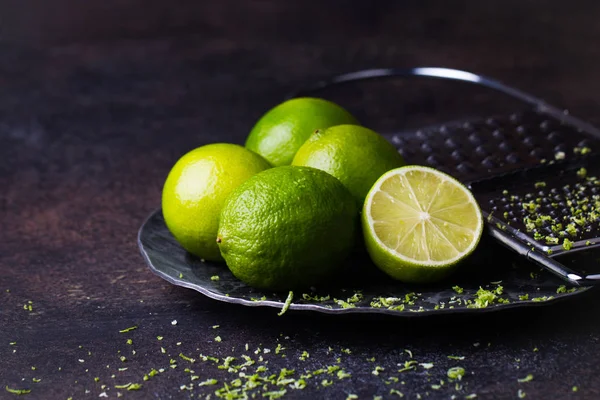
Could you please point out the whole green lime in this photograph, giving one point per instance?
(196, 189)
(279, 133)
(357, 156)
(287, 227)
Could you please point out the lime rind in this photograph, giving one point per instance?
(432, 224)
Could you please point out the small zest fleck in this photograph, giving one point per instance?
(528, 378)
(521, 394)
(131, 328)
(456, 373)
(377, 370)
(129, 386)
(408, 365)
(542, 298)
(186, 358)
(341, 374)
(304, 355)
(214, 278)
(458, 289)
(18, 391)
(287, 303)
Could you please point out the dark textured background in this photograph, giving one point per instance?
(96, 104)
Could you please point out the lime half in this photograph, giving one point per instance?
(419, 223)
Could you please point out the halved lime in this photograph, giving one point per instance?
(419, 223)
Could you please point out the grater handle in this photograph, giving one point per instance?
(550, 264)
(455, 75)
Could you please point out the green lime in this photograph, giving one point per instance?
(419, 223)
(287, 227)
(279, 133)
(196, 189)
(355, 155)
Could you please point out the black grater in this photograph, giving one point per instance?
(533, 172)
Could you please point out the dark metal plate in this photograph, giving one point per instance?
(364, 289)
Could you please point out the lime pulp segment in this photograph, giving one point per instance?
(423, 216)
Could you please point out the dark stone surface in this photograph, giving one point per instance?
(89, 131)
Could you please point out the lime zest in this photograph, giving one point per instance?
(208, 382)
(341, 374)
(131, 328)
(276, 394)
(17, 391)
(458, 289)
(186, 358)
(377, 370)
(528, 378)
(542, 298)
(286, 305)
(456, 373)
(129, 386)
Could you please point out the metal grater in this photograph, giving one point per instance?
(532, 172)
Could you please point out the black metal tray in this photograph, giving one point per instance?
(502, 158)
(365, 289)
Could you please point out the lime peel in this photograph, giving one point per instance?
(286, 305)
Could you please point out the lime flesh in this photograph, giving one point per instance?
(419, 223)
